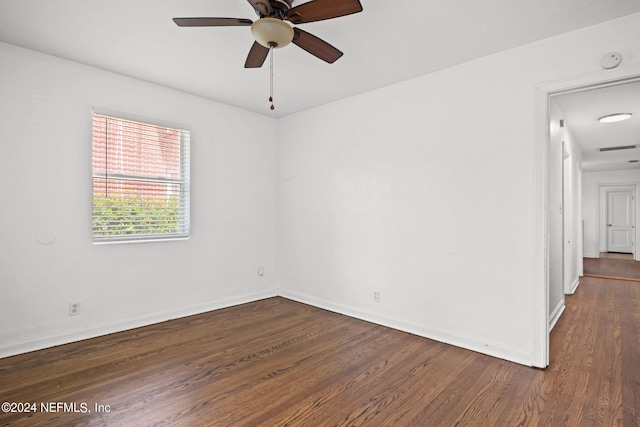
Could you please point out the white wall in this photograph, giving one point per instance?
(426, 191)
(594, 237)
(572, 212)
(564, 212)
(556, 153)
(565, 189)
(45, 169)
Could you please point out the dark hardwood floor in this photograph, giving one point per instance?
(276, 362)
(613, 266)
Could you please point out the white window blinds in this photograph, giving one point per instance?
(140, 181)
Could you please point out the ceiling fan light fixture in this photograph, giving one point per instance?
(272, 32)
(617, 117)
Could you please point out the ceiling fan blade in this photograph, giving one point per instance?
(315, 46)
(319, 10)
(212, 22)
(257, 55)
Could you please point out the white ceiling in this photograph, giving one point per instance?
(389, 41)
(581, 111)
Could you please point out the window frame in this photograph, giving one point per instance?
(184, 183)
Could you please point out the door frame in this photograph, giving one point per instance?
(543, 92)
(601, 235)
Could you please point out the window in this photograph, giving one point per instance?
(140, 181)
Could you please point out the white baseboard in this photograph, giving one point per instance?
(574, 286)
(40, 343)
(557, 312)
(494, 349)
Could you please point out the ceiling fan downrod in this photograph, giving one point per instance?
(271, 77)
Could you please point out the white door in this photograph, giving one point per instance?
(620, 221)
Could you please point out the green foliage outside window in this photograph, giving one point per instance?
(118, 216)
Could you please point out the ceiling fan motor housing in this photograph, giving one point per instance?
(272, 8)
(272, 32)
(282, 4)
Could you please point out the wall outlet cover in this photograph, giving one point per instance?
(74, 308)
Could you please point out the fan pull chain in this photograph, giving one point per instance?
(271, 78)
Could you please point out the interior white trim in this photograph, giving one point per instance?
(541, 133)
(540, 296)
(574, 285)
(557, 312)
(39, 343)
(494, 349)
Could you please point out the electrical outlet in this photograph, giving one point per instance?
(74, 308)
(376, 296)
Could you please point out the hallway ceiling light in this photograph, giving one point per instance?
(617, 117)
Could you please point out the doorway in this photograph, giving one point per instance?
(544, 93)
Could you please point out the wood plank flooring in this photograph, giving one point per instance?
(613, 266)
(616, 255)
(276, 362)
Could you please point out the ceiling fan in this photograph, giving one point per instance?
(270, 31)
